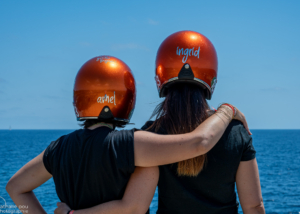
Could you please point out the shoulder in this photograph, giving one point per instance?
(147, 125)
(50, 152)
(122, 132)
(120, 144)
(75, 133)
(56, 143)
(235, 126)
(237, 131)
(120, 135)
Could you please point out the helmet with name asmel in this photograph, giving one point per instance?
(189, 57)
(104, 89)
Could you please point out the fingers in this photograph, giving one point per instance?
(240, 116)
(58, 204)
(246, 125)
(61, 208)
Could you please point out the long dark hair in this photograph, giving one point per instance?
(183, 109)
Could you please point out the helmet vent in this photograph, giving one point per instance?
(186, 73)
(106, 114)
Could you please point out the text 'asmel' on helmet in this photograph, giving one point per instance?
(104, 89)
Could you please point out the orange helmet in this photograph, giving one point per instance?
(104, 89)
(186, 56)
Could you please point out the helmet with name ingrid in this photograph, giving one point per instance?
(186, 56)
(104, 89)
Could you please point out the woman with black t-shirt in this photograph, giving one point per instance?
(93, 165)
(204, 184)
(186, 72)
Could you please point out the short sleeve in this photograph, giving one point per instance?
(122, 146)
(49, 153)
(248, 150)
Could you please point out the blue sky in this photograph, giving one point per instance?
(43, 44)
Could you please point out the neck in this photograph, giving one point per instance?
(109, 125)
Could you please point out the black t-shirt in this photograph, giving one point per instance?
(212, 191)
(90, 167)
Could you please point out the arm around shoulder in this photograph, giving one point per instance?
(140, 189)
(137, 197)
(154, 150)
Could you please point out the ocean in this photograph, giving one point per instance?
(278, 157)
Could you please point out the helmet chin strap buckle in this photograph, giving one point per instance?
(186, 72)
(106, 114)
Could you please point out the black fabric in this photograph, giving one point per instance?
(213, 190)
(90, 167)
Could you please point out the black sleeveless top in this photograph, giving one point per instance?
(213, 190)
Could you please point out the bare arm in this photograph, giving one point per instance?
(136, 200)
(29, 177)
(154, 150)
(248, 187)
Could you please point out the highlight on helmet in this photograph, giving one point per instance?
(104, 89)
(186, 56)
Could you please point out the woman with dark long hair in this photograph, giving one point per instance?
(185, 105)
(204, 184)
(186, 75)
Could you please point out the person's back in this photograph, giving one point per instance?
(186, 75)
(213, 189)
(91, 166)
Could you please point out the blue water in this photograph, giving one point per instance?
(278, 156)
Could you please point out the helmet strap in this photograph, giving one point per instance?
(186, 72)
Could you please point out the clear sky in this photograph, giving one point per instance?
(44, 43)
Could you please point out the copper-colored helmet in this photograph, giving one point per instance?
(104, 89)
(186, 56)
